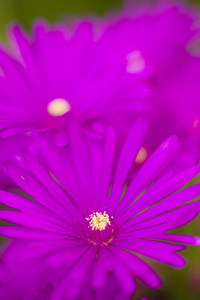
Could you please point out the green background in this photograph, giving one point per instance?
(26, 11)
(177, 284)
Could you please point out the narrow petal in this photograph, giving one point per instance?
(169, 203)
(151, 168)
(162, 252)
(32, 222)
(132, 145)
(108, 158)
(139, 268)
(32, 187)
(26, 233)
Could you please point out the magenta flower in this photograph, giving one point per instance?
(88, 226)
(54, 76)
(155, 42)
(23, 279)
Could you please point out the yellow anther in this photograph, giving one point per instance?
(58, 107)
(142, 155)
(99, 221)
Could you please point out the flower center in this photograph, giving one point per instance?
(99, 221)
(101, 230)
(58, 107)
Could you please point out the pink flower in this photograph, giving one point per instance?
(88, 227)
(53, 77)
(155, 42)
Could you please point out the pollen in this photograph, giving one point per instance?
(58, 107)
(99, 221)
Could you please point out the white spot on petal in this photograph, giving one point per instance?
(135, 62)
(196, 123)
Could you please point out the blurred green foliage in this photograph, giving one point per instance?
(177, 284)
(26, 11)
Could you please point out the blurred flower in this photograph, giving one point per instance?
(55, 75)
(155, 41)
(194, 277)
(90, 227)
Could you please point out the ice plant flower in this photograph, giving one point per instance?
(22, 279)
(53, 76)
(154, 40)
(91, 227)
(56, 75)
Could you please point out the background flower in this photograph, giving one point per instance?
(155, 42)
(59, 75)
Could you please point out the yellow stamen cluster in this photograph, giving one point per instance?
(98, 221)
